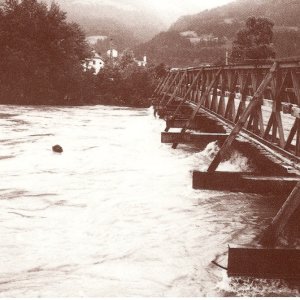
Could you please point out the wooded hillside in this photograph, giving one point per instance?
(204, 37)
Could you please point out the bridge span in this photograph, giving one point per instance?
(254, 108)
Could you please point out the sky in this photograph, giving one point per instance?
(186, 6)
(169, 9)
(176, 8)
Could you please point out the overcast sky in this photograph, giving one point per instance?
(170, 10)
(186, 6)
(176, 8)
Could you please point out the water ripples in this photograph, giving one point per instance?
(115, 214)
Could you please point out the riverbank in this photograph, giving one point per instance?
(117, 101)
(99, 100)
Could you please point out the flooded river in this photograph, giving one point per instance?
(115, 214)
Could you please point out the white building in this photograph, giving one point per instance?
(142, 63)
(95, 63)
(112, 53)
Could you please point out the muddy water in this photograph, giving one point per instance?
(115, 214)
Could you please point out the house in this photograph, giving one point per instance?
(189, 34)
(196, 39)
(141, 63)
(95, 63)
(112, 53)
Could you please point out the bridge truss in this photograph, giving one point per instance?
(259, 102)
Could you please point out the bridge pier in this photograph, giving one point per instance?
(200, 123)
(200, 139)
(244, 182)
(283, 217)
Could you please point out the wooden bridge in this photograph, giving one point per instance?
(253, 108)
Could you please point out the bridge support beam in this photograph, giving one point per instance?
(169, 110)
(201, 139)
(200, 123)
(244, 182)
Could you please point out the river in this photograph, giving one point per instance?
(115, 214)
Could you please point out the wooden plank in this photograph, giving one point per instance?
(230, 109)
(283, 216)
(244, 182)
(221, 107)
(264, 263)
(207, 101)
(214, 101)
(251, 107)
(242, 106)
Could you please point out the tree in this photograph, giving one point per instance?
(160, 70)
(41, 55)
(126, 58)
(123, 82)
(254, 41)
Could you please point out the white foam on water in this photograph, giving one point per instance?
(254, 287)
(236, 163)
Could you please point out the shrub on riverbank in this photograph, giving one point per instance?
(123, 82)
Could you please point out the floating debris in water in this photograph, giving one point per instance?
(57, 149)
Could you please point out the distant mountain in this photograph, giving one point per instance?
(127, 22)
(205, 37)
(222, 20)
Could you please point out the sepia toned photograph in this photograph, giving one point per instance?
(149, 148)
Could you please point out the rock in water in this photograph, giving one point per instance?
(57, 149)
